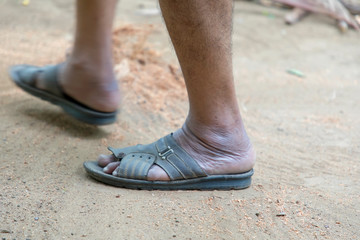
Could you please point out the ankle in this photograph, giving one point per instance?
(92, 66)
(219, 135)
(222, 125)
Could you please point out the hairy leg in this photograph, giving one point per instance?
(213, 134)
(88, 75)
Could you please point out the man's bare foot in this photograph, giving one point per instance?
(217, 151)
(93, 85)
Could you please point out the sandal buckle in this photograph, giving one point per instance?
(164, 154)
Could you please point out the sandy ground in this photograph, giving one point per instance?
(306, 132)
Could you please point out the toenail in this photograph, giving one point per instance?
(106, 169)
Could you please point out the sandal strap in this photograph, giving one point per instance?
(165, 153)
(135, 166)
(51, 80)
(177, 163)
(28, 75)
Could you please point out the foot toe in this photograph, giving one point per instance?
(110, 168)
(103, 160)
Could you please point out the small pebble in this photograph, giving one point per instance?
(281, 214)
(36, 218)
(296, 72)
(257, 214)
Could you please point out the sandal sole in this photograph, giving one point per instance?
(213, 182)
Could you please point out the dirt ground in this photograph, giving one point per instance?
(305, 130)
